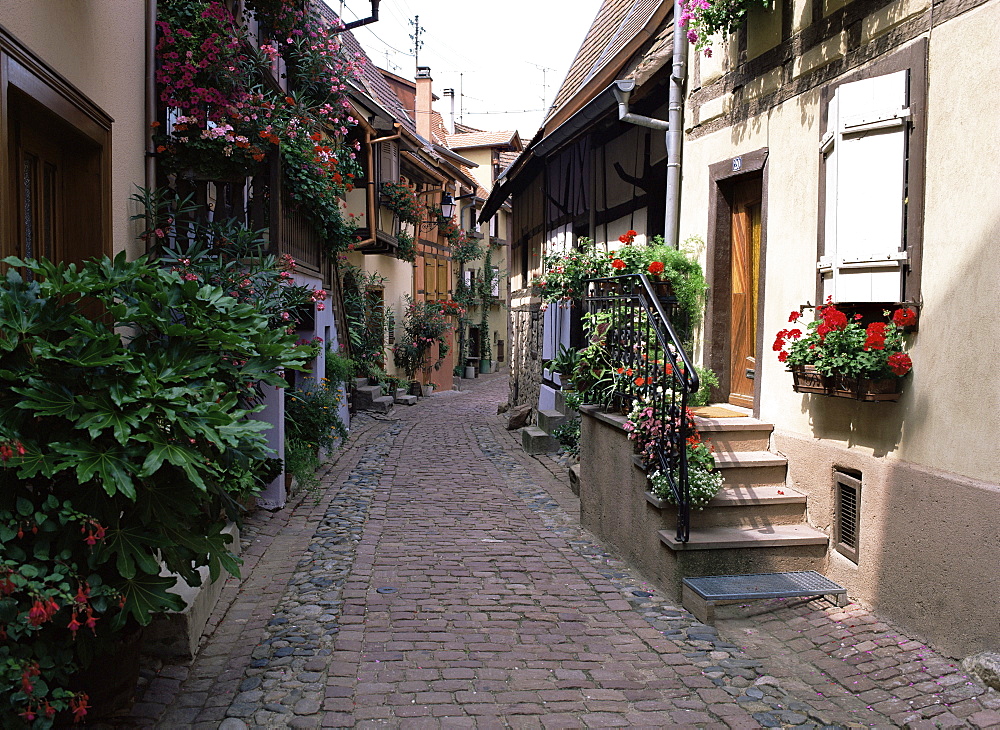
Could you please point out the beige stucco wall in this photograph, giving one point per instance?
(99, 47)
(949, 400)
(931, 473)
(929, 542)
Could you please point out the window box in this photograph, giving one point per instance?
(805, 379)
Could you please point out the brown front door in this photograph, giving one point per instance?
(745, 290)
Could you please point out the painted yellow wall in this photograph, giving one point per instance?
(99, 47)
(950, 401)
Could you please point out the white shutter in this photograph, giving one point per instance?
(388, 161)
(495, 283)
(866, 174)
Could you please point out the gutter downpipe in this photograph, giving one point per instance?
(673, 126)
(150, 166)
(675, 135)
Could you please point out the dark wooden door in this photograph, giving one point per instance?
(746, 229)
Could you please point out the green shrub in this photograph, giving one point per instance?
(568, 436)
(312, 415)
(127, 394)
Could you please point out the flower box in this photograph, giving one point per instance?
(805, 379)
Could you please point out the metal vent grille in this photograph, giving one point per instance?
(848, 514)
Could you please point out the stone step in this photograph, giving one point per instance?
(366, 395)
(406, 400)
(745, 507)
(549, 421)
(361, 382)
(721, 538)
(535, 441)
(401, 392)
(749, 469)
(730, 435)
(574, 479)
(382, 404)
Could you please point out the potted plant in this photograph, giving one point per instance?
(425, 325)
(838, 356)
(402, 201)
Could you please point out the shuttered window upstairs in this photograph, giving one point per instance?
(388, 161)
(865, 149)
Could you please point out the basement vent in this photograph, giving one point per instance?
(848, 486)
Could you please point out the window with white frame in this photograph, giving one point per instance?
(864, 253)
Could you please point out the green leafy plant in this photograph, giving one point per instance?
(401, 200)
(312, 415)
(646, 429)
(568, 436)
(367, 319)
(406, 249)
(339, 367)
(128, 393)
(425, 326)
(565, 362)
(837, 345)
(707, 379)
(706, 18)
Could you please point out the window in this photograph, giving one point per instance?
(56, 187)
(495, 282)
(388, 161)
(871, 198)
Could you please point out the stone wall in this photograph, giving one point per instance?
(525, 353)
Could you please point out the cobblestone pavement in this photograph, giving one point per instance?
(440, 578)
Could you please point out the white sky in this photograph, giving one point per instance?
(492, 53)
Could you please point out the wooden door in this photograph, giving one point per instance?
(746, 223)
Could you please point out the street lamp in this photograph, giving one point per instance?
(447, 205)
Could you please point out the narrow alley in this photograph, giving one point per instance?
(439, 578)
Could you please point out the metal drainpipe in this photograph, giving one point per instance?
(673, 126)
(675, 134)
(150, 176)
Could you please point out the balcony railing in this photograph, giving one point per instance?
(651, 368)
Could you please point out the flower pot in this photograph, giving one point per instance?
(485, 367)
(427, 390)
(805, 379)
(470, 372)
(415, 387)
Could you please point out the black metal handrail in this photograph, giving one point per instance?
(633, 318)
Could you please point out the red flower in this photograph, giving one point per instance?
(876, 336)
(904, 317)
(900, 363)
(794, 316)
(782, 356)
(618, 264)
(640, 381)
(656, 268)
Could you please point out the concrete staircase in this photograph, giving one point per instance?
(369, 397)
(756, 524)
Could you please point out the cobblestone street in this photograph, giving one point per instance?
(439, 578)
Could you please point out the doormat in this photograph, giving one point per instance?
(716, 412)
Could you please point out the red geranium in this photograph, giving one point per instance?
(875, 336)
(904, 317)
(656, 268)
(900, 363)
(618, 264)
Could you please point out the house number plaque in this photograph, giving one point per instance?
(737, 164)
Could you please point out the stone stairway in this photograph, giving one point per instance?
(756, 524)
(368, 397)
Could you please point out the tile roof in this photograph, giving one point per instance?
(484, 139)
(616, 23)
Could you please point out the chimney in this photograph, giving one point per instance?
(425, 97)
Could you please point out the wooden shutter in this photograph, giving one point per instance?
(866, 154)
(388, 157)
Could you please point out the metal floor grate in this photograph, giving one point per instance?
(764, 585)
